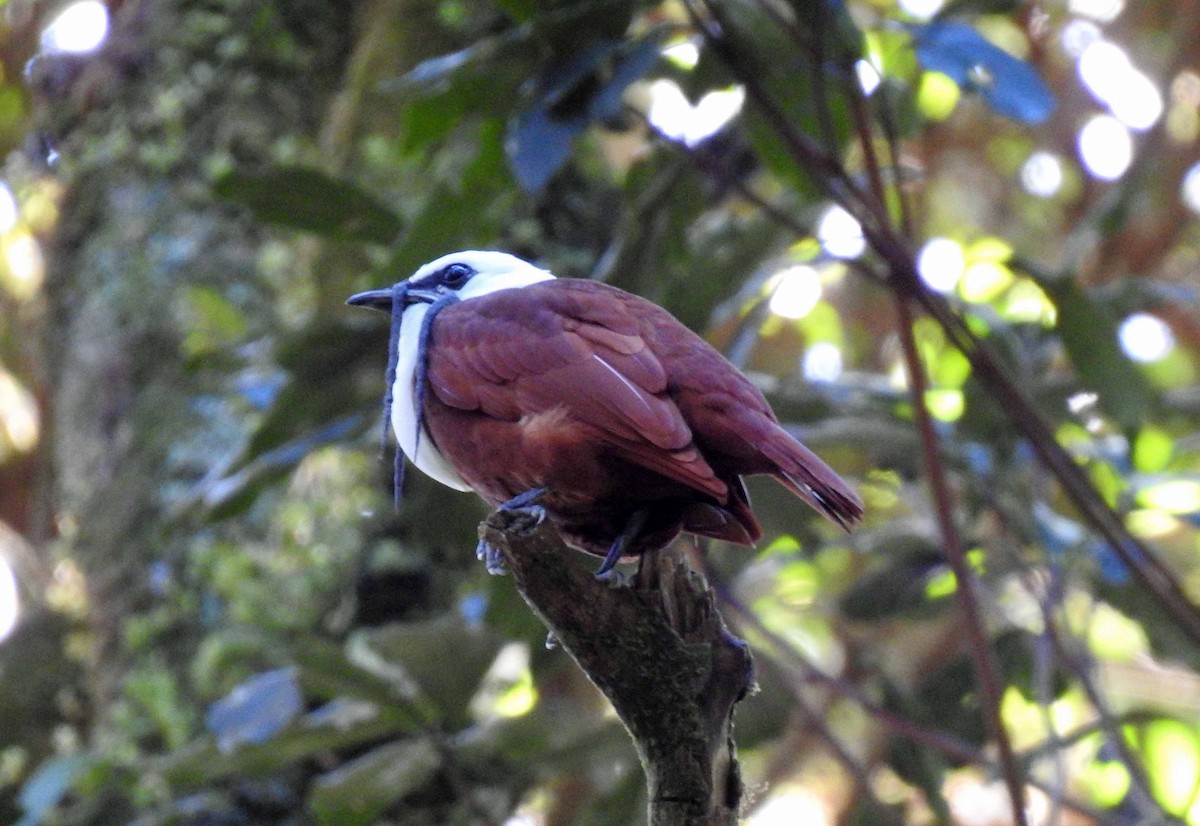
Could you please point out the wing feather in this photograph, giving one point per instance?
(574, 346)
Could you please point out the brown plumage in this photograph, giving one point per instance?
(614, 407)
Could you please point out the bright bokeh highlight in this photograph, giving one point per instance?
(822, 362)
(840, 234)
(1176, 496)
(941, 263)
(1042, 175)
(937, 95)
(685, 54)
(1145, 337)
(1103, 10)
(1111, 77)
(1189, 190)
(945, 405)
(922, 9)
(19, 424)
(10, 602)
(984, 281)
(25, 264)
(672, 114)
(797, 291)
(1105, 147)
(789, 808)
(868, 76)
(8, 208)
(80, 27)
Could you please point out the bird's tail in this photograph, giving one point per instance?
(803, 473)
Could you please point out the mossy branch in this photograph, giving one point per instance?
(658, 649)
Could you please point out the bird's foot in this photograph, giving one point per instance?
(520, 515)
(524, 519)
(523, 500)
(491, 557)
(617, 549)
(612, 578)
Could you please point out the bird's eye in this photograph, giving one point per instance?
(455, 275)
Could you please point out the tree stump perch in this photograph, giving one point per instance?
(658, 649)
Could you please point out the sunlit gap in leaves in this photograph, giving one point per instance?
(507, 689)
(822, 362)
(1113, 80)
(868, 76)
(1189, 190)
(80, 27)
(684, 54)
(1042, 174)
(941, 263)
(19, 423)
(840, 234)
(796, 291)
(982, 801)
(23, 267)
(922, 9)
(1146, 338)
(790, 807)
(672, 114)
(1105, 147)
(1177, 496)
(10, 605)
(8, 208)
(1105, 11)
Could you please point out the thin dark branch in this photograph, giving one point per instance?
(895, 250)
(956, 555)
(946, 744)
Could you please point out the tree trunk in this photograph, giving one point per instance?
(179, 92)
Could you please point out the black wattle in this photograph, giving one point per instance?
(423, 363)
(399, 295)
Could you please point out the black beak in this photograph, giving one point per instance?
(382, 299)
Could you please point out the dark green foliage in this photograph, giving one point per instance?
(307, 199)
(418, 690)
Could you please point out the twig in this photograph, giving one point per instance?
(946, 744)
(1149, 573)
(956, 555)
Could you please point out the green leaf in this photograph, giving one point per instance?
(1090, 337)
(213, 321)
(449, 683)
(519, 10)
(900, 586)
(308, 199)
(466, 216)
(346, 725)
(1172, 753)
(361, 790)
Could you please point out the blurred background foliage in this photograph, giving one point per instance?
(273, 644)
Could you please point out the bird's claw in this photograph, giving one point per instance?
(523, 519)
(518, 515)
(491, 557)
(613, 578)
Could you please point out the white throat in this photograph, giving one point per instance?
(404, 419)
(494, 271)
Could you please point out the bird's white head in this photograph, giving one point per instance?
(473, 273)
(412, 305)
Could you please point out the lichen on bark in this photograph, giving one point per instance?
(180, 92)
